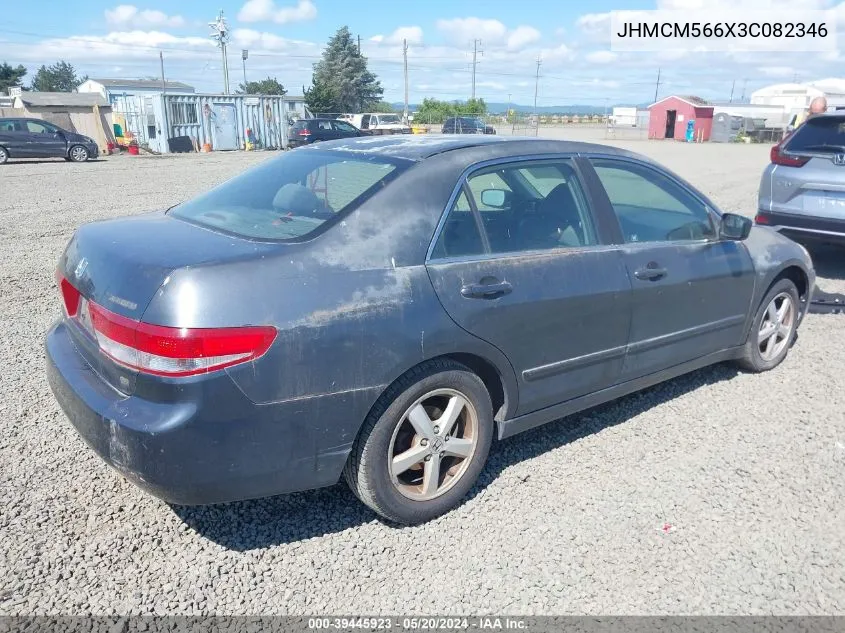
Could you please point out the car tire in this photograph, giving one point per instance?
(78, 154)
(406, 491)
(774, 328)
(4, 155)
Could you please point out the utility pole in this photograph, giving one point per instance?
(220, 34)
(733, 85)
(744, 84)
(537, 84)
(475, 52)
(163, 82)
(508, 111)
(405, 59)
(657, 85)
(244, 56)
(359, 45)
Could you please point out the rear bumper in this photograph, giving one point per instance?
(803, 227)
(215, 445)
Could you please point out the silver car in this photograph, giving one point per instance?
(802, 192)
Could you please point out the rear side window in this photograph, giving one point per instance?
(292, 196)
(822, 134)
(460, 235)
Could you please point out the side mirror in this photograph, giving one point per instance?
(734, 227)
(493, 198)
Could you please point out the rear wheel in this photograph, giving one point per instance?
(773, 329)
(4, 155)
(424, 444)
(78, 154)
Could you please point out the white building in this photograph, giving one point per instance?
(794, 98)
(113, 89)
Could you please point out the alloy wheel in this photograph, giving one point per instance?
(433, 444)
(776, 326)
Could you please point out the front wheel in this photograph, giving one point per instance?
(4, 155)
(773, 329)
(424, 444)
(78, 154)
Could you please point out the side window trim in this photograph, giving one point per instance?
(476, 215)
(711, 209)
(463, 185)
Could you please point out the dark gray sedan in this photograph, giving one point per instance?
(34, 138)
(379, 309)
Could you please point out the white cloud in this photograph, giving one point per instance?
(262, 41)
(266, 11)
(413, 34)
(602, 57)
(521, 36)
(128, 15)
(777, 71)
(594, 23)
(558, 53)
(461, 31)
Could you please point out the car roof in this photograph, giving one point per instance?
(421, 146)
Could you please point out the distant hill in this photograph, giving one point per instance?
(500, 108)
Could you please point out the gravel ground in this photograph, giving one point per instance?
(748, 470)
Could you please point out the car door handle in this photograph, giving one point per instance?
(486, 291)
(650, 274)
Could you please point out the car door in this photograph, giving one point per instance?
(15, 137)
(691, 291)
(518, 261)
(45, 140)
(344, 130)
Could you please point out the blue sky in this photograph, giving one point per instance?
(285, 37)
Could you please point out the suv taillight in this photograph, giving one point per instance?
(168, 351)
(305, 132)
(779, 158)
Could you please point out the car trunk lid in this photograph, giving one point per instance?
(120, 264)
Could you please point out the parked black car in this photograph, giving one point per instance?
(34, 138)
(466, 125)
(307, 131)
(380, 308)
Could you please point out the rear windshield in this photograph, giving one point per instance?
(292, 196)
(823, 134)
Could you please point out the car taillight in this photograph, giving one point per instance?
(304, 132)
(70, 295)
(169, 351)
(779, 158)
(761, 219)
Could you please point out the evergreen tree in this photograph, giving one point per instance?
(341, 81)
(10, 76)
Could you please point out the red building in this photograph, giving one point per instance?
(668, 118)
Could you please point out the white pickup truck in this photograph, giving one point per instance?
(376, 123)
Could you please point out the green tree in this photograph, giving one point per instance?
(341, 81)
(10, 77)
(382, 106)
(472, 106)
(436, 111)
(59, 77)
(269, 86)
(320, 99)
